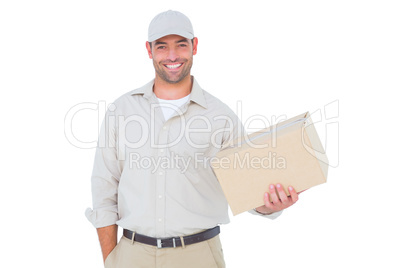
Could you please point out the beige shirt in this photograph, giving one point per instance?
(152, 175)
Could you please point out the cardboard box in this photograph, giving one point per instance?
(289, 153)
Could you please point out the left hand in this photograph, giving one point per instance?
(280, 200)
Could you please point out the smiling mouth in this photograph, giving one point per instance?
(173, 66)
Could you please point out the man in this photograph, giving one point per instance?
(151, 175)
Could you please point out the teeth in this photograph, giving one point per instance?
(173, 66)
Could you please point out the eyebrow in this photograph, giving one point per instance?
(160, 43)
(183, 41)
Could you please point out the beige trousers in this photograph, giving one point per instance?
(206, 254)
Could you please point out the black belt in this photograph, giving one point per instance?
(173, 242)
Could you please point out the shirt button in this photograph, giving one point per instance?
(162, 150)
(159, 219)
(164, 128)
(161, 173)
(160, 196)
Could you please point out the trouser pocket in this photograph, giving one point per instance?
(216, 251)
(112, 258)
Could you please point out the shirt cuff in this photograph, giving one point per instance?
(101, 218)
(272, 216)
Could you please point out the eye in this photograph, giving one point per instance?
(160, 47)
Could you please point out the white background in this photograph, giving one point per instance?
(277, 57)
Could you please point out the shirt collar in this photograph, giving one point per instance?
(145, 90)
(196, 94)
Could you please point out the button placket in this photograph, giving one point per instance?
(161, 182)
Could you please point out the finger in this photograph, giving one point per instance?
(282, 195)
(268, 203)
(272, 193)
(293, 194)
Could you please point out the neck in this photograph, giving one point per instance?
(168, 91)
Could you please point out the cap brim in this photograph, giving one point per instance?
(160, 35)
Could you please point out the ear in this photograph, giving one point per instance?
(148, 49)
(195, 44)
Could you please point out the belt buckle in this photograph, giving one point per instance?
(159, 243)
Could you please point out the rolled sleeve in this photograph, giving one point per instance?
(105, 181)
(102, 217)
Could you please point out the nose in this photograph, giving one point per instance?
(172, 55)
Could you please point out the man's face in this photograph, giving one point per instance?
(172, 57)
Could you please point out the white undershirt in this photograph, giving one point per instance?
(170, 106)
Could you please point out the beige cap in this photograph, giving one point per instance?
(170, 22)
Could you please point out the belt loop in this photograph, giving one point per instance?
(182, 242)
(132, 238)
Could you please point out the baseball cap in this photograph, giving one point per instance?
(170, 22)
